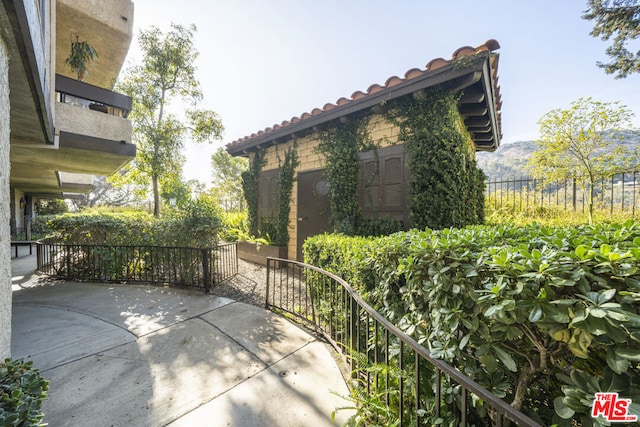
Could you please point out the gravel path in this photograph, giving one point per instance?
(248, 286)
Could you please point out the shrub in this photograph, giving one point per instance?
(22, 392)
(197, 224)
(101, 228)
(234, 226)
(51, 207)
(543, 317)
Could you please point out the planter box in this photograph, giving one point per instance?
(249, 252)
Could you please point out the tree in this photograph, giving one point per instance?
(227, 180)
(51, 207)
(583, 142)
(620, 19)
(104, 194)
(167, 74)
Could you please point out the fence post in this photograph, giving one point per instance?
(206, 269)
(266, 299)
(353, 327)
(612, 184)
(574, 194)
(622, 201)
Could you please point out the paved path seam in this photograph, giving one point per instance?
(54, 307)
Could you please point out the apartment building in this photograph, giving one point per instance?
(57, 132)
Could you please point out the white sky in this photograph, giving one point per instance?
(265, 61)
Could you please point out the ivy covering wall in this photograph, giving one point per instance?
(446, 186)
(250, 180)
(286, 178)
(274, 228)
(341, 143)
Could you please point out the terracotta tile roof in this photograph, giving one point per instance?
(433, 68)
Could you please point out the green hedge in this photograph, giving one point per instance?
(544, 317)
(22, 391)
(196, 225)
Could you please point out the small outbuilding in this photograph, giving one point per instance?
(396, 156)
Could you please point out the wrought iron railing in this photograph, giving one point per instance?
(619, 192)
(193, 267)
(85, 95)
(386, 363)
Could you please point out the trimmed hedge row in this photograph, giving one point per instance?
(197, 225)
(544, 317)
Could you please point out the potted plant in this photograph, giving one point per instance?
(82, 54)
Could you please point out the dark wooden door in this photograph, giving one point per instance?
(313, 206)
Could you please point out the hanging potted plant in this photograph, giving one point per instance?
(82, 54)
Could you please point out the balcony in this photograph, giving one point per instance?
(92, 137)
(92, 111)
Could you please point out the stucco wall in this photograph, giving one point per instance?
(83, 121)
(380, 130)
(5, 233)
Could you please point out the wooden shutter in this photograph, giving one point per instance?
(268, 194)
(384, 183)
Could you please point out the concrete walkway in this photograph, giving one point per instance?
(137, 355)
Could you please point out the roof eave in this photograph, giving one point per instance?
(453, 75)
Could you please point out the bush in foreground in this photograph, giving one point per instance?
(22, 392)
(544, 317)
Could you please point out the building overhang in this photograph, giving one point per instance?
(472, 72)
(106, 25)
(29, 73)
(63, 168)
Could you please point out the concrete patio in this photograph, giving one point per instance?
(124, 355)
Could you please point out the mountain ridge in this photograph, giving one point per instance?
(510, 160)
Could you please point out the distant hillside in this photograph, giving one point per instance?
(509, 160)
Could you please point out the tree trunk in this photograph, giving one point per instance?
(156, 197)
(526, 375)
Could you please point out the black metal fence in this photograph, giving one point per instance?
(387, 364)
(193, 267)
(619, 192)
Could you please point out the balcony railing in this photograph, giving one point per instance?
(84, 95)
(408, 386)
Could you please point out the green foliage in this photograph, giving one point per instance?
(167, 73)
(22, 392)
(234, 226)
(250, 180)
(195, 225)
(81, 55)
(541, 316)
(274, 230)
(515, 211)
(378, 226)
(621, 19)
(369, 401)
(227, 180)
(51, 207)
(574, 143)
(286, 178)
(341, 143)
(445, 181)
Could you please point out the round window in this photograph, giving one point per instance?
(320, 188)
